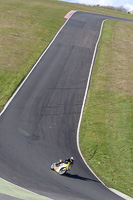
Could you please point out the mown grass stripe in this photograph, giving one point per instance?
(12, 190)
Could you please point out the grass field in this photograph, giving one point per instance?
(26, 28)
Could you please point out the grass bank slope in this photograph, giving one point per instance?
(106, 133)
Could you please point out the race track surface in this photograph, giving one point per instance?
(40, 125)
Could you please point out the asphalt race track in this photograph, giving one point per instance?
(40, 125)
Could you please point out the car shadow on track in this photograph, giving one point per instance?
(75, 176)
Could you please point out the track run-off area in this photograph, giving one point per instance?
(39, 125)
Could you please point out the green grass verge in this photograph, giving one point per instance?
(12, 190)
(26, 28)
(106, 133)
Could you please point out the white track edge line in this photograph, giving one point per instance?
(81, 114)
(121, 194)
(17, 90)
(84, 101)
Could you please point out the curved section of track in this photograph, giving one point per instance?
(40, 124)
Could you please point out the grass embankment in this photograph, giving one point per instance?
(106, 133)
(26, 28)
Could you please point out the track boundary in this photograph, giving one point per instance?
(17, 90)
(84, 101)
(81, 114)
(20, 86)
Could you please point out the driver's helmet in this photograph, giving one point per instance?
(71, 159)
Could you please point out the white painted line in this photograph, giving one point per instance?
(84, 101)
(15, 93)
(121, 194)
